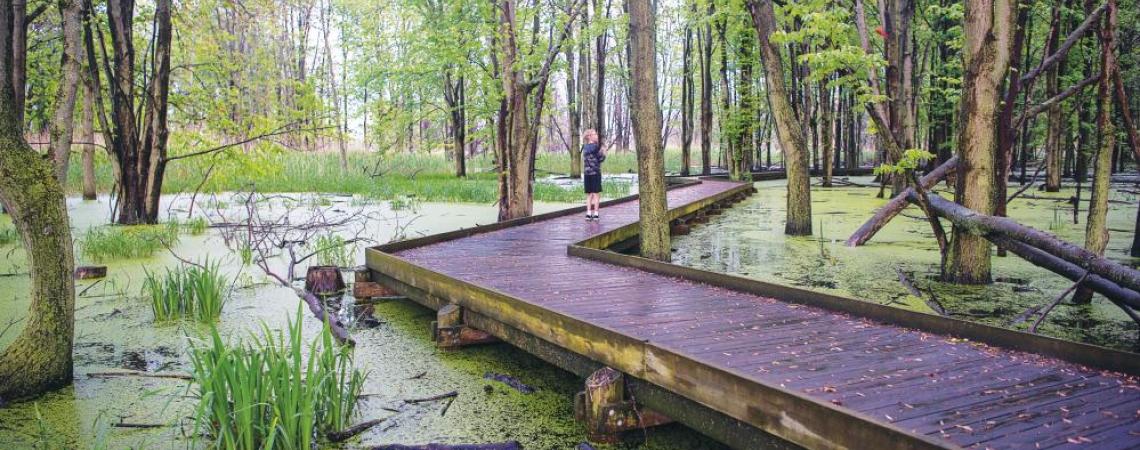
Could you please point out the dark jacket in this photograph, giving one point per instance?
(592, 156)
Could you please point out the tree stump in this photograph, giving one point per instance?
(679, 228)
(324, 281)
(606, 412)
(450, 331)
(90, 272)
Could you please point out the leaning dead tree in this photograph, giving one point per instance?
(279, 239)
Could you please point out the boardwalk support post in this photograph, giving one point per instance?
(364, 288)
(606, 412)
(450, 331)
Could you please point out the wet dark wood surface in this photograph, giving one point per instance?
(969, 394)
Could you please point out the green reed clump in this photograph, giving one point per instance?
(269, 393)
(196, 226)
(196, 292)
(121, 242)
(333, 250)
(7, 234)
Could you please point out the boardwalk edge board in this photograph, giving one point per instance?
(784, 413)
(1094, 356)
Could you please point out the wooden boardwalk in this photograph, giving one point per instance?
(813, 376)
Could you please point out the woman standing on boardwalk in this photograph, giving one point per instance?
(593, 155)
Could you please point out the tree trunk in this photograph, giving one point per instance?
(40, 358)
(87, 135)
(988, 32)
(646, 117)
(825, 108)
(601, 15)
(787, 127)
(574, 118)
(18, 71)
(1055, 132)
(453, 95)
(705, 39)
(62, 124)
(687, 94)
(1096, 227)
(519, 119)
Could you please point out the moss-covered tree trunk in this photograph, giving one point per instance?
(1096, 227)
(646, 117)
(39, 359)
(787, 126)
(988, 30)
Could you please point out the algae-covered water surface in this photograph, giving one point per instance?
(748, 240)
(115, 330)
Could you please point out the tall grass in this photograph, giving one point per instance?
(267, 393)
(196, 292)
(427, 177)
(120, 242)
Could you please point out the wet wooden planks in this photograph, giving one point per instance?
(964, 393)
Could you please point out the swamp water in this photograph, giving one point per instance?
(115, 330)
(748, 240)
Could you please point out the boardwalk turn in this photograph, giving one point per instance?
(940, 390)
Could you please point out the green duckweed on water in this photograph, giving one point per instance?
(748, 240)
(115, 330)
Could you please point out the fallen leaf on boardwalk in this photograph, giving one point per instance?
(964, 427)
(1079, 440)
(837, 401)
(828, 389)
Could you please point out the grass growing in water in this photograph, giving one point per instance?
(7, 233)
(120, 242)
(332, 250)
(267, 393)
(196, 292)
(426, 177)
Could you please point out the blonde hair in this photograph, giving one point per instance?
(590, 132)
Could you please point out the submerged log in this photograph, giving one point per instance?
(90, 272)
(318, 309)
(898, 204)
(1100, 285)
(348, 433)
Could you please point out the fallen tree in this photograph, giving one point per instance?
(1117, 282)
(898, 204)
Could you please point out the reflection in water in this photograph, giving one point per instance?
(115, 330)
(748, 240)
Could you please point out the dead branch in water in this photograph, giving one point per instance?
(140, 374)
(348, 433)
(433, 398)
(1055, 302)
(512, 445)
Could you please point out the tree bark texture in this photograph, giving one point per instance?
(40, 358)
(787, 126)
(1096, 227)
(646, 116)
(988, 30)
(63, 123)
